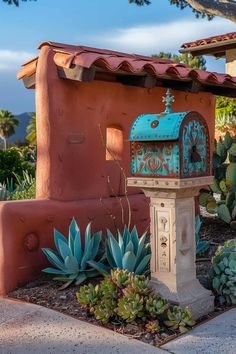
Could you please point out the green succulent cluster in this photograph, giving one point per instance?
(127, 297)
(224, 165)
(223, 272)
(179, 319)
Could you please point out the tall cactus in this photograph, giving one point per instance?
(224, 166)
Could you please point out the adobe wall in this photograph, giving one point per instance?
(68, 110)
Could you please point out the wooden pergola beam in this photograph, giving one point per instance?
(77, 73)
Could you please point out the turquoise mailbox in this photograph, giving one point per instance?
(170, 144)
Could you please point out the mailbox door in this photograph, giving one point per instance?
(155, 159)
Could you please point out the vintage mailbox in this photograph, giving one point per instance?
(170, 144)
(170, 162)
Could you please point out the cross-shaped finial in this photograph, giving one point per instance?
(168, 99)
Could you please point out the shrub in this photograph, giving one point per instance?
(127, 297)
(223, 272)
(12, 164)
(71, 260)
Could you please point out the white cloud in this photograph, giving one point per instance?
(11, 60)
(153, 38)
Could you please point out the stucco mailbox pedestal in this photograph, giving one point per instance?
(173, 268)
(170, 162)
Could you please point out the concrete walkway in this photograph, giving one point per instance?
(217, 336)
(32, 329)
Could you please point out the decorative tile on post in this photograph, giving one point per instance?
(170, 162)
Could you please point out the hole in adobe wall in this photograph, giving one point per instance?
(114, 143)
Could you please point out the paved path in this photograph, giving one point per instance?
(217, 336)
(32, 329)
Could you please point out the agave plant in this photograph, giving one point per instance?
(71, 260)
(128, 252)
(201, 245)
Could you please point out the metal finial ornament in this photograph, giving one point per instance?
(168, 99)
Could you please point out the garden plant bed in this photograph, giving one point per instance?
(45, 292)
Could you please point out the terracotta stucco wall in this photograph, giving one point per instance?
(72, 111)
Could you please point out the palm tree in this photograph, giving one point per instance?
(31, 130)
(7, 125)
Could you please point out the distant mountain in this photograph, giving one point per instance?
(21, 129)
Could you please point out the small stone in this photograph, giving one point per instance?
(62, 297)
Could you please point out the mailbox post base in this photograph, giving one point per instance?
(192, 295)
(173, 267)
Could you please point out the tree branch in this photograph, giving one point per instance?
(222, 8)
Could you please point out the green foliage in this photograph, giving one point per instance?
(124, 296)
(128, 251)
(12, 164)
(179, 319)
(201, 245)
(29, 192)
(31, 130)
(198, 62)
(225, 113)
(72, 262)
(223, 272)
(7, 125)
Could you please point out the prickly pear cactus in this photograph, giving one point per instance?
(223, 272)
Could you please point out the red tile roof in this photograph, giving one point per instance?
(111, 61)
(210, 40)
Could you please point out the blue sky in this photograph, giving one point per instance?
(112, 24)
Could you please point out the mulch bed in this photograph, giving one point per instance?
(45, 292)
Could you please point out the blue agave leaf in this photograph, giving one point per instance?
(58, 236)
(198, 224)
(202, 246)
(80, 278)
(115, 249)
(135, 239)
(143, 264)
(96, 243)
(128, 261)
(54, 258)
(141, 245)
(109, 256)
(78, 251)
(53, 271)
(126, 236)
(129, 247)
(73, 229)
(121, 243)
(72, 265)
(87, 238)
(65, 250)
(87, 254)
(100, 267)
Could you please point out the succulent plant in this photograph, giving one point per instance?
(108, 288)
(89, 295)
(138, 284)
(128, 252)
(153, 326)
(179, 319)
(131, 307)
(71, 260)
(121, 277)
(201, 245)
(156, 305)
(105, 309)
(223, 272)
